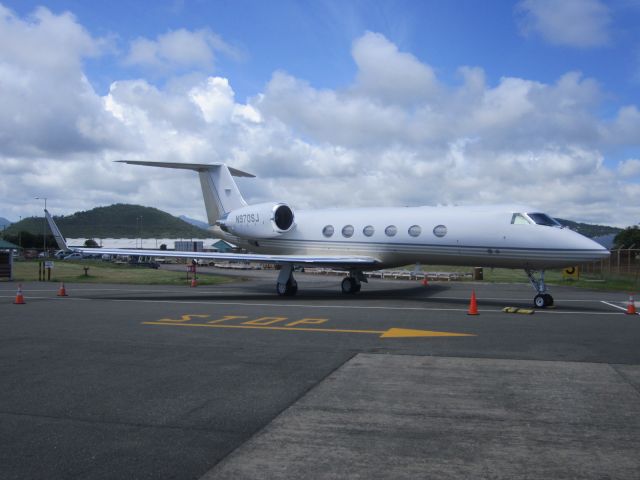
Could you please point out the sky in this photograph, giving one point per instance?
(329, 103)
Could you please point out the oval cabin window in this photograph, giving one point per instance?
(368, 230)
(391, 231)
(415, 230)
(440, 231)
(327, 231)
(347, 231)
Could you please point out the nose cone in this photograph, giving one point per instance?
(588, 250)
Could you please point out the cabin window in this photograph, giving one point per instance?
(519, 219)
(368, 231)
(347, 231)
(391, 231)
(543, 219)
(440, 231)
(327, 231)
(415, 230)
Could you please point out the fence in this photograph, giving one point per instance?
(620, 262)
(6, 265)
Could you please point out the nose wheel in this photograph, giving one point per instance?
(542, 299)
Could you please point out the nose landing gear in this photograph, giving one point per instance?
(542, 299)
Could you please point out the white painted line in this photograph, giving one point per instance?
(343, 307)
(614, 306)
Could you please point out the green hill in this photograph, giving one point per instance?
(589, 230)
(115, 221)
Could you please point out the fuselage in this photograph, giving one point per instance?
(490, 236)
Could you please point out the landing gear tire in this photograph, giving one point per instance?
(288, 289)
(543, 300)
(350, 285)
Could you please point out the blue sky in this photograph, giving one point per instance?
(312, 39)
(306, 93)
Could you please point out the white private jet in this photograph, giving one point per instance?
(362, 239)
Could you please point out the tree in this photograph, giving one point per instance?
(90, 243)
(628, 238)
(163, 246)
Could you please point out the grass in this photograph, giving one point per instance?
(554, 277)
(103, 272)
(629, 283)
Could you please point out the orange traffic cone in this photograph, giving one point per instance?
(631, 308)
(194, 283)
(473, 304)
(19, 297)
(62, 292)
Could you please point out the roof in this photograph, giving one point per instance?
(4, 245)
(223, 242)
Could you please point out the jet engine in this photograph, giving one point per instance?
(264, 220)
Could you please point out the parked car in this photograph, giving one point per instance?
(74, 256)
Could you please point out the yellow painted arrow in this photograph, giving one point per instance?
(405, 332)
(390, 333)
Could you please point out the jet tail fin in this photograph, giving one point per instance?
(62, 244)
(219, 190)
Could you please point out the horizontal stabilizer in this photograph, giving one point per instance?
(198, 167)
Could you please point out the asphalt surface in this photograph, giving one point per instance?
(175, 382)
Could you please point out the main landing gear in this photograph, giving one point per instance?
(287, 285)
(352, 284)
(542, 299)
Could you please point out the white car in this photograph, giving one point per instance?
(74, 256)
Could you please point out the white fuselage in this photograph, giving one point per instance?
(480, 236)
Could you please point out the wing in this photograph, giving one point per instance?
(341, 262)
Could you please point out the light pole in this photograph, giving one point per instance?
(44, 227)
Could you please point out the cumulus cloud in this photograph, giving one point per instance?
(572, 23)
(178, 49)
(389, 75)
(630, 168)
(394, 136)
(48, 106)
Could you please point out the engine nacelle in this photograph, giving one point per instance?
(264, 220)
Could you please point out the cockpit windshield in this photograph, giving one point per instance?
(543, 219)
(534, 218)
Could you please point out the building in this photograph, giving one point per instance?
(188, 245)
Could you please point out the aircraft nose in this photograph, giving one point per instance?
(599, 252)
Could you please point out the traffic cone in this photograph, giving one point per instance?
(194, 283)
(19, 297)
(473, 304)
(425, 282)
(62, 291)
(631, 308)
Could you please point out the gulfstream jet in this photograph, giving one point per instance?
(357, 240)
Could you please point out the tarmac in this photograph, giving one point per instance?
(231, 381)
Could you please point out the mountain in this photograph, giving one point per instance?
(4, 222)
(589, 230)
(115, 221)
(194, 222)
(606, 241)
